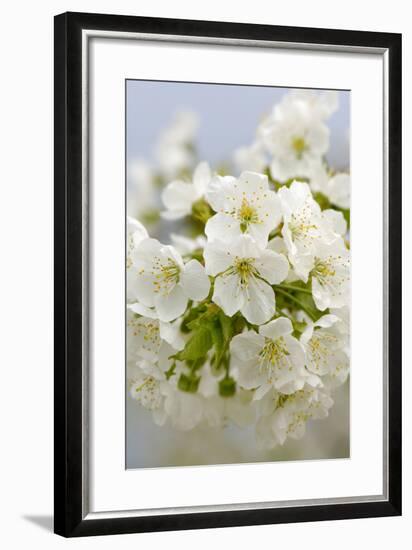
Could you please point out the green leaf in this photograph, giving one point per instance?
(197, 346)
(189, 321)
(218, 342)
(226, 324)
(307, 301)
(170, 372)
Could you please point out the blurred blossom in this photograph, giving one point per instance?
(174, 150)
(180, 196)
(295, 133)
(142, 195)
(250, 158)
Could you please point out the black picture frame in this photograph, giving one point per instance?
(69, 518)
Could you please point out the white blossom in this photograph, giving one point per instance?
(244, 275)
(325, 347)
(149, 338)
(271, 358)
(251, 158)
(336, 187)
(179, 196)
(186, 245)
(219, 411)
(244, 205)
(174, 150)
(184, 409)
(295, 133)
(330, 275)
(135, 234)
(336, 221)
(304, 227)
(142, 195)
(145, 381)
(164, 282)
(289, 414)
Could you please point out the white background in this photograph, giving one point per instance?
(26, 260)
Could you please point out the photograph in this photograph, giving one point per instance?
(238, 276)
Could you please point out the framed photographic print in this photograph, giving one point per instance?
(227, 274)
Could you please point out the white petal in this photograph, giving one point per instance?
(194, 281)
(336, 220)
(293, 198)
(218, 191)
(248, 375)
(339, 190)
(296, 351)
(244, 246)
(143, 287)
(318, 139)
(222, 227)
(201, 178)
(171, 306)
(282, 170)
(277, 244)
(252, 182)
(259, 232)
(186, 245)
(227, 294)
(137, 230)
(140, 309)
(273, 267)
(247, 346)
(174, 214)
(217, 258)
(171, 334)
(307, 333)
(170, 251)
(262, 391)
(144, 253)
(326, 321)
(277, 328)
(270, 209)
(302, 265)
(179, 196)
(259, 305)
(320, 297)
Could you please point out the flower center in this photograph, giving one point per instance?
(320, 349)
(298, 419)
(301, 226)
(166, 276)
(148, 393)
(323, 270)
(247, 214)
(245, 269)
(299, 145)
(148, 330)
(274, 356)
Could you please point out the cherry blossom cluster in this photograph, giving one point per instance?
(246, 320)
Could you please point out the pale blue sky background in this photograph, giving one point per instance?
(228, 117)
